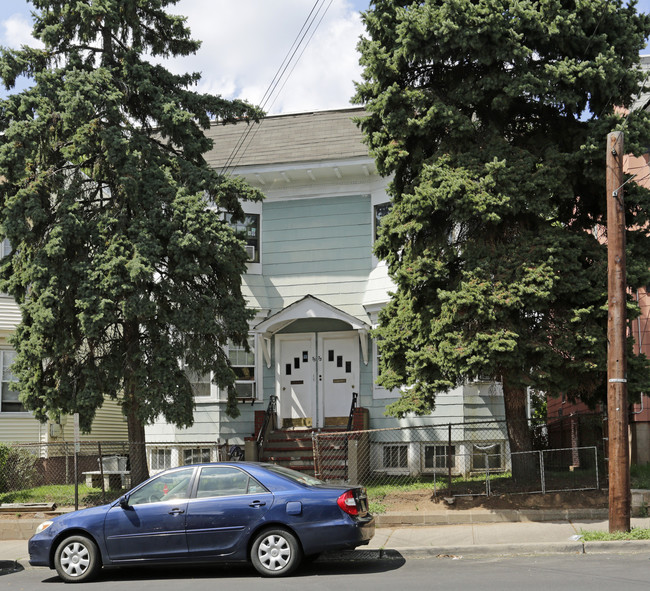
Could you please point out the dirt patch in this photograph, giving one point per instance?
(424, 501)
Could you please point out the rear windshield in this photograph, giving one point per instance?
(293, 475)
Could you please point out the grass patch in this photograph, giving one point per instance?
(637, 533)
(61, 494)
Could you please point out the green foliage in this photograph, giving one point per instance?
(17, 468)
(637, 533)
(492, 117)
(640, 476)
(123, 264)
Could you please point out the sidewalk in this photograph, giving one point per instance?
(503, 538)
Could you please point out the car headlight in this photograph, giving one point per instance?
(43, 526)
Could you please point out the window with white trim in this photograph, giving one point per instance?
(243, 364)
(161, 458)
(436, 457)
(248, 230)
(395, 456)
(5, 249)
(200, 382)
(9, 401)
(487, 456)
(197, 455)
(380, 210)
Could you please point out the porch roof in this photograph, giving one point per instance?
(307, 307)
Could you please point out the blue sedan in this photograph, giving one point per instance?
(224, 512)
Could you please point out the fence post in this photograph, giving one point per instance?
(67, 462)
(101, 471)
(542, 476)
(448, 458)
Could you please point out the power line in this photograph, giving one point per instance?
(279, 75)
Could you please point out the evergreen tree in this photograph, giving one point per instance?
(492, 117)
(126, 272)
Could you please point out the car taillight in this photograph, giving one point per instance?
(347, 503)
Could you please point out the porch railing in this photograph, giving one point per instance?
(355, 398)
(268, 424)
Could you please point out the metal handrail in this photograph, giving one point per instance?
(355, 396)
(271, 410)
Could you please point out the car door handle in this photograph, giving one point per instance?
(176, 511)
(257, 504)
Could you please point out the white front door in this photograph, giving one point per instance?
(338, 373)
(296, 378)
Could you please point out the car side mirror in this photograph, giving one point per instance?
(124, 502)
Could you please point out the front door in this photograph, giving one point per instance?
(295, 368)
(338, 374)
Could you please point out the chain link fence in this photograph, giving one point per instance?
(471, 458)
(455, 459)
(92, 473)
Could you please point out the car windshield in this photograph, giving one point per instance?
(293, 475)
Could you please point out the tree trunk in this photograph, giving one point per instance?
(137, 449)
(524, 466)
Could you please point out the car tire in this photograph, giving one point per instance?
(275, 553)
(77, 559)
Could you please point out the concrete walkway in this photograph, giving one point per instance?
(502, 538)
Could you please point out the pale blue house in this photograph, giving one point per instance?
(314, 283)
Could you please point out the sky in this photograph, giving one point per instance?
(244, 44)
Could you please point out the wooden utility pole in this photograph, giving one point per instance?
(617, 417)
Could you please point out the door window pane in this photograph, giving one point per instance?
(170, 486)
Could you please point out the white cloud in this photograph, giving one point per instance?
(245, 42)
(17, 31)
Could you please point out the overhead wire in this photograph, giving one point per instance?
(241, 145)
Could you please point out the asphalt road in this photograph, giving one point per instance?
(575, 572)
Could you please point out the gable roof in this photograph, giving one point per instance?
(303, 137)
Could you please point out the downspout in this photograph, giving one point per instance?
(638, 321)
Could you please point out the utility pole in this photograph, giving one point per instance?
(617, 417)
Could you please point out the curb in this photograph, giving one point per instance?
(23, 529)
(525, 549)
(448, 552)
(471, 517)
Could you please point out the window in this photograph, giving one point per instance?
(173, 485)
(395, 456)
(487, 456)
(243, 364)
(9, 401)
(249, 232)
(436, 457)
(200, 383)
(223, 481)
(196, 455)
(381, 210)
(161, 458)
(5, 249)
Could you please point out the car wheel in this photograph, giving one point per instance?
(77, 559)
(275, 553)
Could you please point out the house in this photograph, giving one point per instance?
(316, 289)
(20, 426)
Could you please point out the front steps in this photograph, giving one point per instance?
(294, 448)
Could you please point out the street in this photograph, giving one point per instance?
(575, 572)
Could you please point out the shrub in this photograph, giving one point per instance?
(17, 468)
